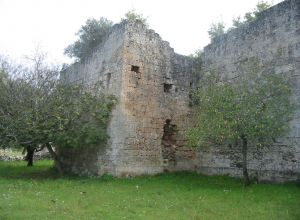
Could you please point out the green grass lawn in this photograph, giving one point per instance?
(38, 193)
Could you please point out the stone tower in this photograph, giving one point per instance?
(152, 84)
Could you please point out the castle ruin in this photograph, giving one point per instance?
(152, 84)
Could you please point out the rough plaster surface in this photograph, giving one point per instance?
(152, 84)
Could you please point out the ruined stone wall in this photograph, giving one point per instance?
(156, 91)
(152, 84)
(273, 39)
(105, 65)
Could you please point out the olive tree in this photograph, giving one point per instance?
(252, 110)
(37, 111)
(15, 103)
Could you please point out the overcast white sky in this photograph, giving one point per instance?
(52, 24)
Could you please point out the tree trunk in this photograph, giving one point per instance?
(56, 159)
(29, 155)
(245, 166)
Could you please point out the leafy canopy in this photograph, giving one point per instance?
(132, 16)
(36, 109)
(256, 107)
(216, 30)
(93, 32)
(78, 117)
(252, 15)
(90, 35)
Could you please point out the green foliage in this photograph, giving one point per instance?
(13, 101)
(78, 117)
(216, 30)
(133, 16)
(197, 56)
(252, 15)
(36, 110)
(249, 17)
(93, 32)
(90, 35)
(253, 109)
(237, 22)
(3, 76)
(260, 7)
(256, 105)
(39, 193)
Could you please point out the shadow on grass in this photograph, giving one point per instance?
(41, 170)
(19, 170)
(44, 170)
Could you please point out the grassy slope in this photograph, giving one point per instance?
(37, 193)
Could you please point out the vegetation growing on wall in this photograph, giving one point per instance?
(91, 34)
(252, 15)
(132, 15)
(218, 28)
(252, 110)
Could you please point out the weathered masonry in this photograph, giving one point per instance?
(273, 39)
(152, 84)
